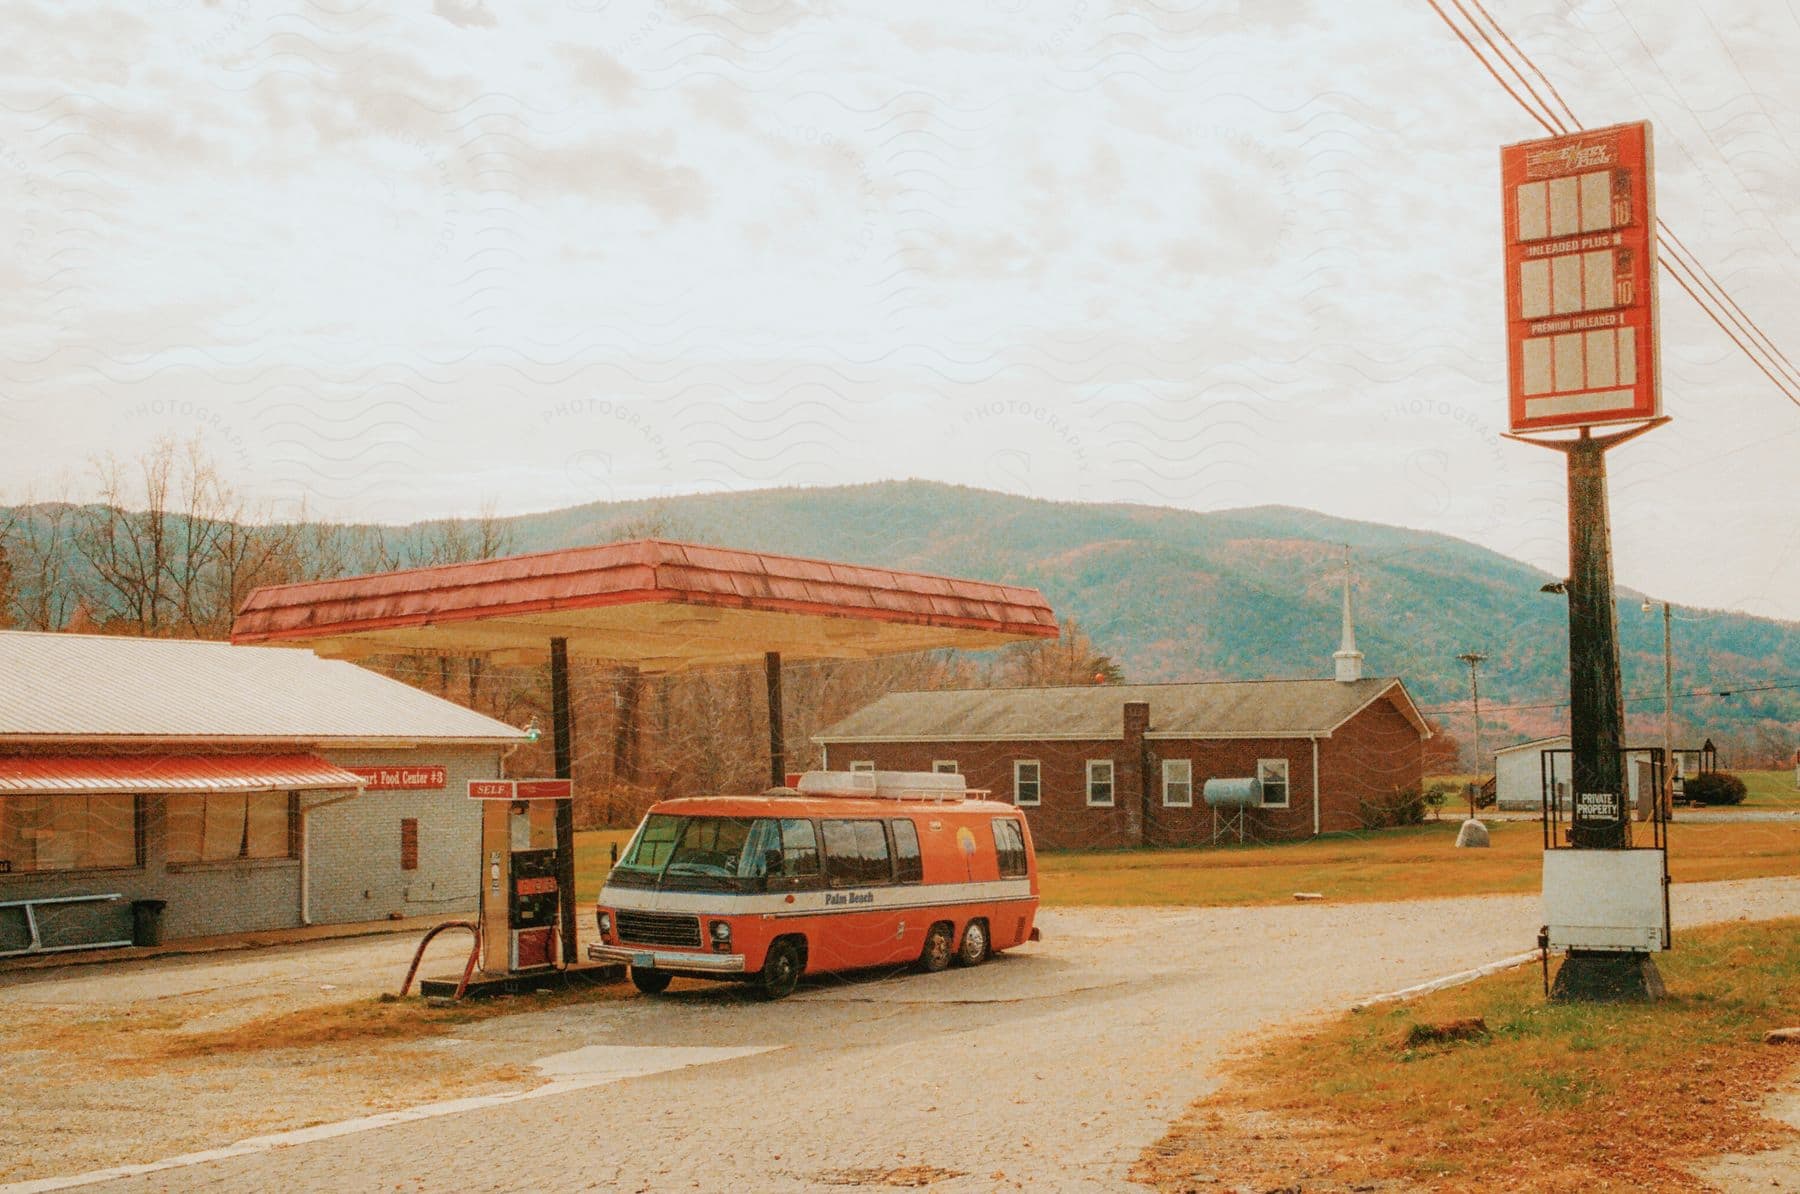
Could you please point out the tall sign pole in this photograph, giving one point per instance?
(1582, 352)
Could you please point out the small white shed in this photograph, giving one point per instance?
(1519, 770)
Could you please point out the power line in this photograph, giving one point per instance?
(1642, 696)
(1680, 262)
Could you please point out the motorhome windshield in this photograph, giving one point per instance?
(697, 853)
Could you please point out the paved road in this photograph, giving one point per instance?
(1049, 1069)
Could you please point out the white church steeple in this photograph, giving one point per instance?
(1348, 658)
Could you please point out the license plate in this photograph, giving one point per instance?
(643, 961)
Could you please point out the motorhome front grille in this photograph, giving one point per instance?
(659, 928)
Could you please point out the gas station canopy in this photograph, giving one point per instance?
(657, 605)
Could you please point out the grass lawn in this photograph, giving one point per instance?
(1770, 790)
(1549, 1097)
(1394, 864)
(1419, 862)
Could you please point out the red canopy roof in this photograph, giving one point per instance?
(79, 774)
(658, 604)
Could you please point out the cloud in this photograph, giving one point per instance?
(466, 14)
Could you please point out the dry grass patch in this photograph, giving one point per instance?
(135, 1036)
(1419, 862)
(1548, 1097)
(210, 1071)
(367, 1021)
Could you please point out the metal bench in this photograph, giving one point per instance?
(37, 945)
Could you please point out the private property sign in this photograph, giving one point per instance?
(1580, 227)
(520, 789)
(403, 779)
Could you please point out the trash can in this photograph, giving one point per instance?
(146, 921)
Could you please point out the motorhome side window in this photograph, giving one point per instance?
(1009, 845)
(799, 850)
(908, 866)
(856, 853)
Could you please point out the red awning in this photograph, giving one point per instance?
(135, 774)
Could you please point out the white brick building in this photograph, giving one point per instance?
(246, 787)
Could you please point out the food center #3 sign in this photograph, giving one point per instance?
(429, 778)
(1580, 224)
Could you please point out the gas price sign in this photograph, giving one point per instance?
(1580, 222)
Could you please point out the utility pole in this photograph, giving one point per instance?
(1475, 659)
(1667, 794)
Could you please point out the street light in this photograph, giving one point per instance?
(1474, 659)
(1668, 784)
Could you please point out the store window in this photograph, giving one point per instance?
(224, 826)
(69, 833)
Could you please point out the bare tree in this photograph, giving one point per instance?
(1071, 659)
(38, 589)
(654, 521)
(129, 550)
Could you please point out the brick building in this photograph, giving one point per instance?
(247, 788)
(1125, 765)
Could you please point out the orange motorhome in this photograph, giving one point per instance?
(847, 870)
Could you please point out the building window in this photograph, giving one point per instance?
(1028, 783)
(862, 764)
(1273, 775)
(409, 843)
(223, 826)
(1100, 783)
(1178, 783)
(69, 833)
(944, 766)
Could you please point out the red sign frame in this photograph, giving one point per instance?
(431, 777)
(1579, 224)
(521, 789)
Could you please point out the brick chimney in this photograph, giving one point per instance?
(1132, 787)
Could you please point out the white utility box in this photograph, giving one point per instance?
(1606, 900)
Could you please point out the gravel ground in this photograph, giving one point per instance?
(1051, 1068)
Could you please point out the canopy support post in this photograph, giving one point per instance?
(777, 745)
(562, 737)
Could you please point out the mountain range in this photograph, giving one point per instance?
(1256, 593)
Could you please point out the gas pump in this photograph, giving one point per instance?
(520, 899)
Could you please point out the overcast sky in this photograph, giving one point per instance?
(390, 259)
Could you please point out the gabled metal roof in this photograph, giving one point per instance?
(1225, 709)
(658, 605)
(143, 774)
(1530, 742)
(106, 687)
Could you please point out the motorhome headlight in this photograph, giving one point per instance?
(603, 920)
(721, 932)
